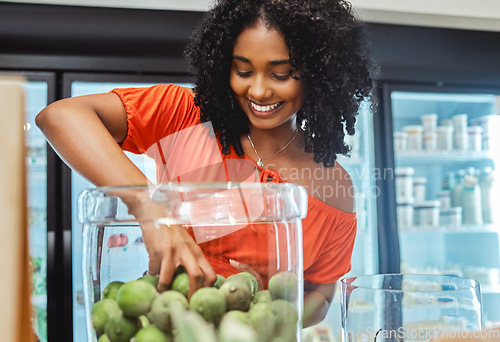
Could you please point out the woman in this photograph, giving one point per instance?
(280, 82)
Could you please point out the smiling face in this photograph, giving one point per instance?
(260, 78)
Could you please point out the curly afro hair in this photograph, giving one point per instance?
(326, 43)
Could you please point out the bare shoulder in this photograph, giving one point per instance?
(334, 187)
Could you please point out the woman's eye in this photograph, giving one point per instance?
(243, 74)
(281, 77)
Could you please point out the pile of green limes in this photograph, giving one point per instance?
(232, 310)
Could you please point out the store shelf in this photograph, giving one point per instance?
(442, 156)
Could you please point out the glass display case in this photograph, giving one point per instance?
(446, 156)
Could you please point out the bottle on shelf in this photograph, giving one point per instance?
(486, 185)
(471, 199)
(456, 190)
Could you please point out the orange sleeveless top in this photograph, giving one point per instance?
(164, 124)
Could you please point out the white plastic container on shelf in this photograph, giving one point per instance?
(427, 213)
(404, 184)
(430, 141)
(451, 216)
(429, 122)
(460, 141)
(445, 138)
(400, 142)
(475, 138)
(444, 197)
(460, 131)
(460, 123)
(415, 137)
(419, 187)
(404, 213)
(490, 124)
(471, 199)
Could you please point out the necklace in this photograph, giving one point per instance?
(260, 162)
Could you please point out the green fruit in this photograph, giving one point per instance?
(284, 285)
(237, 315)
(160, 314)
(247, 279)
(262, 296)
(232, 330)
(154, 280)
(181, 284)
(209, 303)
(120, 328)
(135, 297)
(101, 311)
(150, 334)
(220, 280)
(287, 318)
(103, 338)
(253, 280)
(111, 289)
(238, 294)
(263, 320)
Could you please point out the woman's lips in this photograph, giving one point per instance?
(266, 110)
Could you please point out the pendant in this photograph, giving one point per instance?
(260, 163)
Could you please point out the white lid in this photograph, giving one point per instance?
(475, 129)
(413, 129)
(404, 171)
(430, 136)
(400, 134)
(428, 204)
(445, 129)
(419, 180)
(432, 117)
(469, 181)
(459, 116)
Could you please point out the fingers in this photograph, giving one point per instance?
(167, 270)
(246, 268)
(170, 247)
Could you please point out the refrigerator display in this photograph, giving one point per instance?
(126, 240)
(446, 158)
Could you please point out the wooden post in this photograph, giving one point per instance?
(15, 286)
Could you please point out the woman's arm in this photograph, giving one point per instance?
(84, 131)
(317, 300)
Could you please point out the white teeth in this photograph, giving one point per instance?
(265, 108)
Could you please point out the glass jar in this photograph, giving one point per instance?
(408, 307)
(254, 224)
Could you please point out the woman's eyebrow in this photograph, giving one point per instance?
(275, 62)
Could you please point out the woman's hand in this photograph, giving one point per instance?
(170, 246)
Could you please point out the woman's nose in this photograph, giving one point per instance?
(259, 89)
